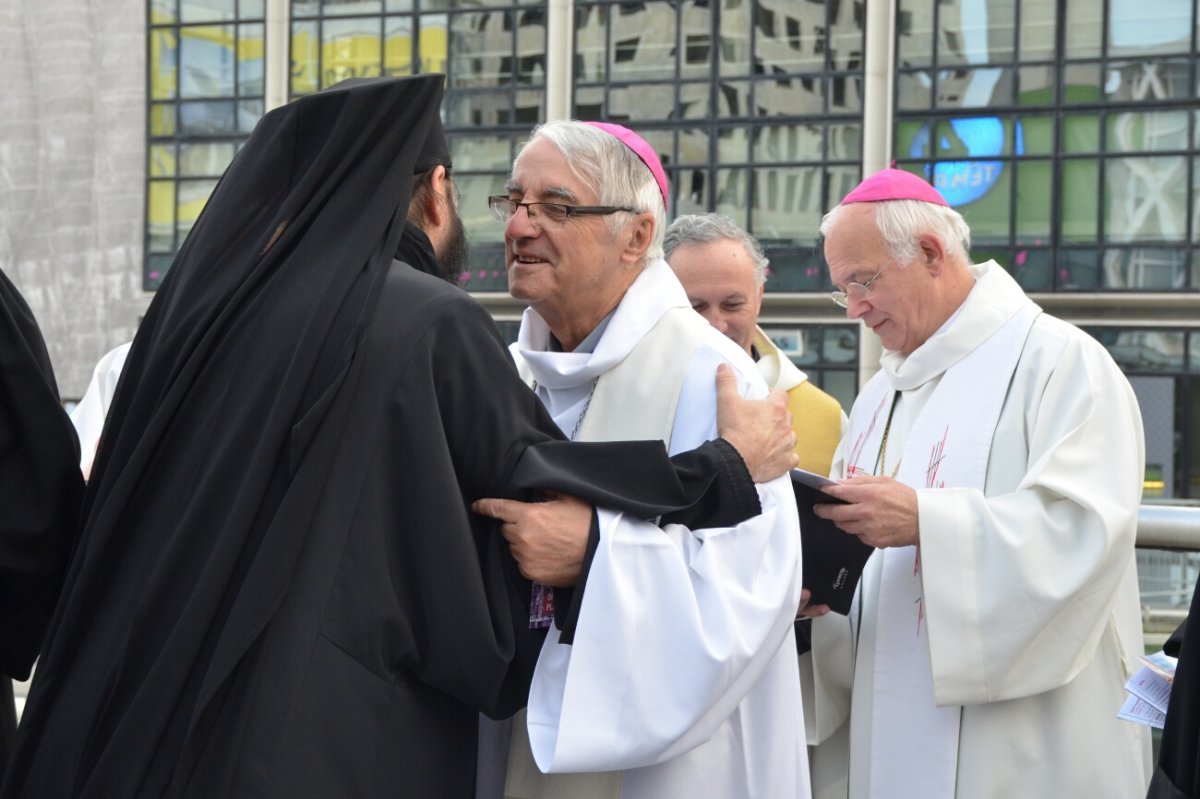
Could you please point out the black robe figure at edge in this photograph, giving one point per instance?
(40, 492)
(1177, 774)
(279, 589)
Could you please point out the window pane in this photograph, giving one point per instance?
(845, 36)
(590, 62)
(480, 153)
(733, 99)
(797, 40)
(160, 216)
(350, 48)
(1144, 350)
(845, 142)
(1145, 269)
(694, 102)
(1035, 180)
(1081, 83)
(777, 143)
(304, 66)
(979, 33)
(192, 195)
(974, 88)
(1147, 81)
(205, 160)
(1139, 28)
(163, 75)
(804, 95)
(162, 160)
(699, 48)
(531, 47)
(1081, 134)
(1033, 270)
(788, 201)
(692, 190)
(163, 12)
(1147, 131)
(251, 9)
(1077, 270)
(1035, 135)
(1078, 199)
(350, 7)
(162, 120)
(480, 50)
(250, 59)
(207, 118)
(206, 10)
(206, 61)
(841, 181)
(1084, 26)
(642, 42)
(914, 91)
(732, 192)
(653, 101)
(398, 47)
(1037, 85)
(432, 49)
(1145, 199)
(1037, 30)
(248, 114)
(477, 219)
(733, 55)
(914, 19)
(694, 147)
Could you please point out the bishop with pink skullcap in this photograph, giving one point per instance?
(894, 184)
(641, 148)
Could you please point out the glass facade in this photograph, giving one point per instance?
(1064, 132)
(204, 95)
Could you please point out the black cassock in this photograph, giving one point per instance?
(1177, 775)
(279, 588)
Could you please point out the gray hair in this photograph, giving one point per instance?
(692, 229)
(901, 223)
(618, 175)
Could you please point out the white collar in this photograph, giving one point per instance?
(653, 292)
(993, 300)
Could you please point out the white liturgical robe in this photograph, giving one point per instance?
(682, 674)
(1030, 596)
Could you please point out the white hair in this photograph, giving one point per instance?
(691, 229)
(605, 163)
(901, 223)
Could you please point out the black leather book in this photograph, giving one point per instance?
(833, 559)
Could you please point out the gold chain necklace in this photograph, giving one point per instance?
(881, 461)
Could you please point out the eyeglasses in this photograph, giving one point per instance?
(503, 208)
(856, 291)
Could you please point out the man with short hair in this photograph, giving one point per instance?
(279, 588)
(996, 461)
(724, 271)
(673, 671)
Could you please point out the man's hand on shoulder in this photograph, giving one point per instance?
(760, 430)
(547, 539)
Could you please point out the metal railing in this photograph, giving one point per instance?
(1175, 527)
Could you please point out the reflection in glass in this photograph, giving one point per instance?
(974, 88)
(1077, 270)
(691, 190)
(251, 9)
(914, 91)
(1032, 269)
(162, 160)
(1146, 350)
(212, 118)
(1147, 81)
(1144, 268)
(305, 78)
(160, 216)
(802, 95)
(914, 20)
(642, 42)
(1037, 85)
(477, 221)
(846, 39)
(163, 12)
(1084, 28)
(1081, 133)
(979, 32)
(206, 61)
(1078, 204)
(1145, 199)
(693, 146)
(1138, 29)
(654, 101)
(699, 49)
(343, 8)
(788, 201)
(1081, 83)
(774, 143)
(1037, 134)
(733, 145)
(206, 159)
(844, 141)
(589, 102)
(1142, 131)
(432, 44)
(1035, 180)
(190, 200)
(733, 99)
(163, 75)
(791, 40)
(1037, 35)
(250, 59)
(162, 120)
(694, 101)
(732, 191)
(733, 53)
(480, 50)
(350, 48)
(590, 25)
(840, 345)
(841, 180)
(207, 10)
(1194, 358)
(397, 46)
(841, 384)
(248, 114)
(477, 153)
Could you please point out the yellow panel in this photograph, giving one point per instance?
(160, 207)
(433, 49)
(397, 55)
(162, 120)
(304, 60)
(163, 73)
(350, 57)
(162, 160)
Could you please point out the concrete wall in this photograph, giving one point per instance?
(72, 161)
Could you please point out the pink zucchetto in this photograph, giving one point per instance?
(894, 184)
(641, 148)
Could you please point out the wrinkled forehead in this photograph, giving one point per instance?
(541, 171)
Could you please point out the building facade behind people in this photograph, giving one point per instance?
(279, 588)
(996, 461)
(724, 271)
(40, 492)
(677, 677)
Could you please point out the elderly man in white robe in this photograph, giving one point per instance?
(996, 461)
(681, 677)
